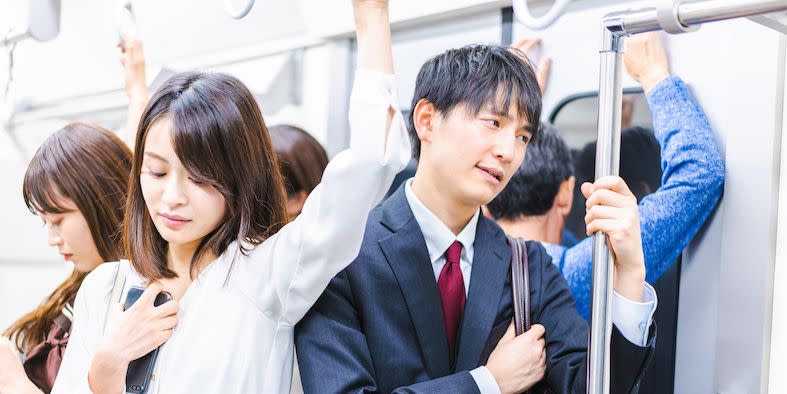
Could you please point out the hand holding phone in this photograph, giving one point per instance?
(142, 327)
(140, 371)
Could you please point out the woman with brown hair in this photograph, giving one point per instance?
(302, 161)
(205, 221)
(76, 183)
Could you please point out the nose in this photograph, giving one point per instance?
(174, 193)
(505, 146)
(53, 237)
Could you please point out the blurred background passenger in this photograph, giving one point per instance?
(76, 183)
(640, 158)
(302, 161)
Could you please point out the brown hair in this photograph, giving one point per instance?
(219, 135)
(302, 159)
(91, 166)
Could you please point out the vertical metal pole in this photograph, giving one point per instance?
(607, 163)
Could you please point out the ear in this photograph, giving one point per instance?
(424, 116)
(565, 196)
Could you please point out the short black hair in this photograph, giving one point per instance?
(472, 75)
(533, 187)
(640, 161)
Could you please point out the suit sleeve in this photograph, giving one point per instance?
(333, 353)
(567, 334)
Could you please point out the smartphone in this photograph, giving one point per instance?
(141, 370)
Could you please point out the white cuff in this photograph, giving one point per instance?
(485, 381)
(373, 97)
(633, 319)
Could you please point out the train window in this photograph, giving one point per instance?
(575, 119)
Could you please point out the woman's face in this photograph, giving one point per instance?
(183, 210)
(69, 232)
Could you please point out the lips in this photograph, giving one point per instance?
(173, 221)
(67, 256)
(492, 172)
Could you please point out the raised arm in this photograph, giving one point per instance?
(373, 33)
(691, 162)
(292, 268)
(132, 58)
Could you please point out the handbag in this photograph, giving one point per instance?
(43, 361)
(520, 289)
(520, 284)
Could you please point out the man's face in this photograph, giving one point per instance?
(474, 156)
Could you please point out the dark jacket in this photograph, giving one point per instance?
(378, 327)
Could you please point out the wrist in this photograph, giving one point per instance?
(630, 282)
(108, 356)
(650, 81)
(498, 380)
(370, 17)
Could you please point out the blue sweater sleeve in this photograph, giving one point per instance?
(692, 183)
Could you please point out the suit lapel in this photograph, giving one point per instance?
(491, 263)
(408, 257)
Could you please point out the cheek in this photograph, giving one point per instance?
(78, 237)
(151, 191)
(210, 203)
(462, 143)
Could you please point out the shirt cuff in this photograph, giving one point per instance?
(485, 381)
(633, 319)
(373, 97)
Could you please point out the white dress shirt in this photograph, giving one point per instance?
(633, 319)
(236, 320)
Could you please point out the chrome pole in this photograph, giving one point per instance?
(607, 163)
(673, 17)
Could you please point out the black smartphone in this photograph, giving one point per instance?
(141, 370)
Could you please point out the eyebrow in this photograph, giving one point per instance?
(504, 114)
(497, 111)
(156, 156)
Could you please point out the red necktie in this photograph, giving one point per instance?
(452, 293)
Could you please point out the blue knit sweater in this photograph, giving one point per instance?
(692, 183)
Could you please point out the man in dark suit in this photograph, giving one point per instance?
(426, 306)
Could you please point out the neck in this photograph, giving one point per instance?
(545, 228)
(451, 212)
(179, 258)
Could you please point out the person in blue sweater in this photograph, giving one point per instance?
(692, 179)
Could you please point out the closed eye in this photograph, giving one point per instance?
(157, 174)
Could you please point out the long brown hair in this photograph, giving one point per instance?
(219, 135)
(90, 166)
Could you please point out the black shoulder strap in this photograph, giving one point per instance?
(520, 284)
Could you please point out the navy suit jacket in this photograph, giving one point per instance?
(378, 327)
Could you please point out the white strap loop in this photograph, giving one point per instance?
(238, 13)
(522, 12)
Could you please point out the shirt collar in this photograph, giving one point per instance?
(437, 235)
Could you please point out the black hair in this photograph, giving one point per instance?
(640, 158)
(533, 187)
(472, 75)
